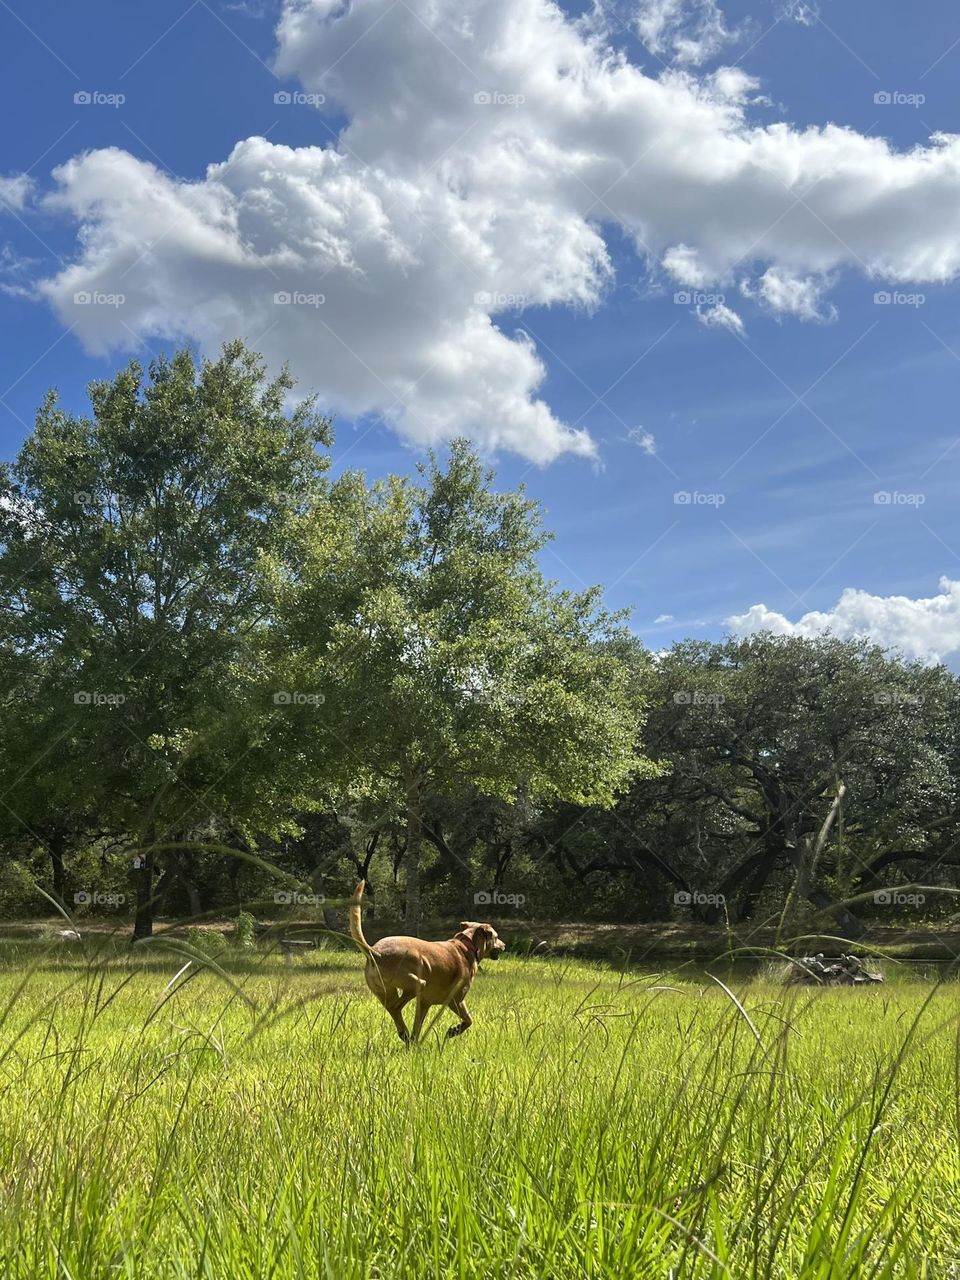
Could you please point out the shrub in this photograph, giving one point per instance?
(243, 934)
(209, 942)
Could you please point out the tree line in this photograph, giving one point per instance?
(232, 680)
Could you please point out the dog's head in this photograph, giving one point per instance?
(483, 938)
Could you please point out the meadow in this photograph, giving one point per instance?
(263, 1120)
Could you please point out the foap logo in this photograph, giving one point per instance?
(893, 898)
(694, 698)
(697, 298)
(896, 298)
(897, 98)
(88, 898)
(496, 898)
(294, 98)
(894, 498)
(296, 298)
(694, 498)
(292, 898)
(96, 98)
(95, 298)
(496, 98)
(694, 898)
(86, 698)
(897, 698)
(297, 699)
(501, 301)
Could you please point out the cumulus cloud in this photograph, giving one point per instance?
(927, 629)
(15, 191)
(365, 284)
(487, 143)
(688, 32)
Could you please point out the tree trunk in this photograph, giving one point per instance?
(806, 854)
(412, 859)
(143, 922)
(332, 919)
(188, 868)
(57, 844)
(233, 876)
(750, 898)
(467, 895)
(460, 867)
(848, 925)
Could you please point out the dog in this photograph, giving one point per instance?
(401, 969)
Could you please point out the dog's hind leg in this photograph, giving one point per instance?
(394, 1003)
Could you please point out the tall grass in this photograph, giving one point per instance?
(260, 1121)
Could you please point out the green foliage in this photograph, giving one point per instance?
(142, 547)
(216, 658)
(18, 891)
(458, 660)
(243, 930)
(456, 664)
(815, 763)
(209, 942)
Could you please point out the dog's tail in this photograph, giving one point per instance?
(356, 928)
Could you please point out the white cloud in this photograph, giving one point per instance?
(644, 440)
(487, 141)
(689, 32)
(376, 281)
(15, 272)
(720, 316)
(805, 12)
(681, 263)
(248, 9)
(731, 84)
(15, 191)
(926, 629)
(788, 294)
(662, 618)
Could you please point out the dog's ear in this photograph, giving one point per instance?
(468, 926)
(482, 935)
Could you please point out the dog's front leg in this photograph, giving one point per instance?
(419, 1016)
(466, 1022)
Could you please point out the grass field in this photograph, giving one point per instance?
(267, 1122)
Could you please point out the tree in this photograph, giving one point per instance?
(810, 758)
(47, 797)
(141, 552)
(455, 664)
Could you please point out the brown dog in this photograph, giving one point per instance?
(402, 969)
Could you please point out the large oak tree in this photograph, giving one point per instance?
(143, 549)
(456, 664)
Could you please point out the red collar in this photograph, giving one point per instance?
(470, 947)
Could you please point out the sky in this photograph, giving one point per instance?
(688, 271)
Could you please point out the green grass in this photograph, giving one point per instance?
(268, 1124)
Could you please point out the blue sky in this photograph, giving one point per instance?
(469, 283)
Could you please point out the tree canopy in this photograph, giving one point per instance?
(207, 639)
